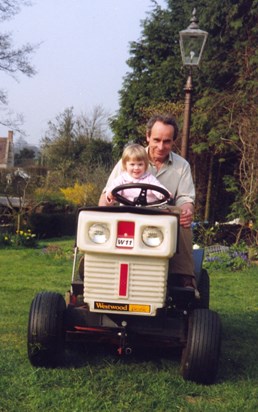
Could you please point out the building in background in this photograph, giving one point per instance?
(7, 151)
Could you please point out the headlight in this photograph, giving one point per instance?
(152, 236)
(99, 233)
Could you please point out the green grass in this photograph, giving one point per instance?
(97, 380)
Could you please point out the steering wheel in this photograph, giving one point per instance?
(141, 200)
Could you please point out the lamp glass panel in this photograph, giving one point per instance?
(192, 45)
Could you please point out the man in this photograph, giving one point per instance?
(174, 173)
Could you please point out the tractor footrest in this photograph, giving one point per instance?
(183, 297)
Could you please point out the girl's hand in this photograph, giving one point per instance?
(110, 198)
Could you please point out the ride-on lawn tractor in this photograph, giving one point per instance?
(121, 291)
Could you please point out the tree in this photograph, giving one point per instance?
(24, 157)
(222, 91)
(74, 146)
(16, 195)
(13, 60)
(58, 145)
(154, 75)
(227, 120)
(93, 126)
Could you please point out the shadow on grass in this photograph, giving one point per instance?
(80, 355)
(239, 357)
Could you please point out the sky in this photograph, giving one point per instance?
(81, 60)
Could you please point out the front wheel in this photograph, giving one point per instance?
(46, 332)
(200, 357)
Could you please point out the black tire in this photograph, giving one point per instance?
(204, 290)
(200, 357)
(46, 332)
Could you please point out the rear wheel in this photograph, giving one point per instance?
(204, 289)
(200, 357)
(46, 332)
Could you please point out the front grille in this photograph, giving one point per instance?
(146, 279)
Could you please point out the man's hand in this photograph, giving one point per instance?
(186, 216)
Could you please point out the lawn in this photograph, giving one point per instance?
(98, 380)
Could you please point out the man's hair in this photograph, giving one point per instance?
(135, 152)
(165, 119)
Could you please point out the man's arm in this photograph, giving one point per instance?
(114, 174)
(103, 200)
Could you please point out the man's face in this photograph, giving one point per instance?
(160, 141)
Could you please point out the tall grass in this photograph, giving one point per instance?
(95, 379)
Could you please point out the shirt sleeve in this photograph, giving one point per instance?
(114, 183)
(114, 174)
(185, 191)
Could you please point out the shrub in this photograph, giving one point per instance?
(5, 239)
(204, 233)
(81, 194)
(25, 238)
(22, 238)
(49, 225)
(235, 258)
(50, 195)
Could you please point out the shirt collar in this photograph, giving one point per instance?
(170, 156)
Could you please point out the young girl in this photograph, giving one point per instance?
(135, 165)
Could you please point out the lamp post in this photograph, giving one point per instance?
(192, 42)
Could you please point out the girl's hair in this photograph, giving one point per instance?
(135, 152)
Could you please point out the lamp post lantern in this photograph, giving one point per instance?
(192, 42)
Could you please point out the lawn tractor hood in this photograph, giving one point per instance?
(130, 233)
(126, 259)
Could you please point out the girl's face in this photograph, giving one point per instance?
(135, 168)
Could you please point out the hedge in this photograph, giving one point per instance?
(46, 225)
